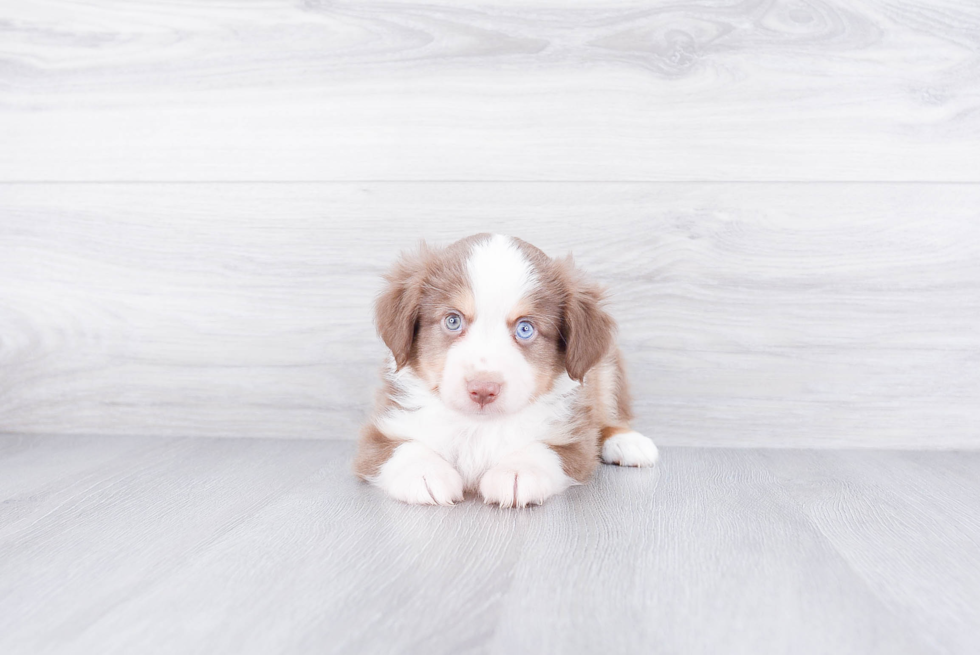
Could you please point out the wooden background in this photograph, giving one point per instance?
(197, 200)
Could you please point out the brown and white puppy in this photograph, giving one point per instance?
(503, 378)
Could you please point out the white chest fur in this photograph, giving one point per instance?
(474, 444)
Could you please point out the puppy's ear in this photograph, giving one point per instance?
(396, 311)
(587, 329)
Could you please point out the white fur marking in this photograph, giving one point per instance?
(499, 277)
(629, 449)
(527, 477)
(415, 474)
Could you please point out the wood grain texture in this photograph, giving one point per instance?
(763, 314)
(759, 90)
(257, 546)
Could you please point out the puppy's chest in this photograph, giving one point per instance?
(473, 445)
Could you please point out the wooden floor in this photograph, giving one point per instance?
(136, 545)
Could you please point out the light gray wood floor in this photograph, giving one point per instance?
(125, 545)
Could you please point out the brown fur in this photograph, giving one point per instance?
(396, 310)
(588, 330)
(446, 288)
(579, 459)
(580, 455)
(373, 449)
(621, 391)
(572, 308)
(593, 420)
(545, 351)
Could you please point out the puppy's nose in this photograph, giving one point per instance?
(483, 392)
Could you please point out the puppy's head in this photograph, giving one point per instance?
(490, 322)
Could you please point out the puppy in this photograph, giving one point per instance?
(503, 378)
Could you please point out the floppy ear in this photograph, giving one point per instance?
(396, 311)
(586, 327)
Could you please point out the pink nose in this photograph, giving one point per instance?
(483, 392)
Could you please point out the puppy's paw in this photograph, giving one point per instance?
(417, 475)
(510, 487)
(527, 477)
(629, 449)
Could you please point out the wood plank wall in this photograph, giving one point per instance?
(197, 200)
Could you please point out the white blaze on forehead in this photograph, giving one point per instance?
(500, 276)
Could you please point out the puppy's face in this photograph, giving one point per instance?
(490, 322)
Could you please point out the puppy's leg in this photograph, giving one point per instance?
(626, 447)
(417, 474)
(528, 476)
(618, 444)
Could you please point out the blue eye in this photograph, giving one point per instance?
(454, 322)
(524, 330)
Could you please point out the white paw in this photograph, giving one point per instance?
(529, 477)
(629, 449)
(415, 474)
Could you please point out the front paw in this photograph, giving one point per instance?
(417, 475)
(510, 486)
